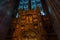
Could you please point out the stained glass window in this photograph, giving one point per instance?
(21, 4)
(24, 4)
(26, 1)
(33, 4)
(38, 1)
(25, 7)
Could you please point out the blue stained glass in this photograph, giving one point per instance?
(40, 5)
(21, 4)
(33, 4)
(26, 1)
(37, 0)
(21, 0)
(20, 7)
(33, 1)
(25, 7)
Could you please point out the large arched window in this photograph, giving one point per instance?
(24, 4)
